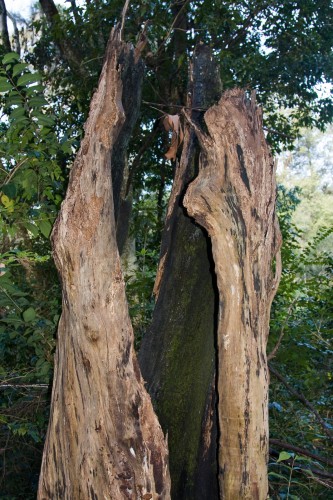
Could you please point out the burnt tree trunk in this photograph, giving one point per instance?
(104, 440)
(233, 198)
(177, 355)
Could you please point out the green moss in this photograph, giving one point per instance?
(188, 368)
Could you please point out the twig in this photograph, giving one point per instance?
(136, 161)
(272, 354)
(272, 131)
(302, 399)
(241, 31)
(13, 172)
(178, 106)
(300, 451)
(172, 26)
(23, 386)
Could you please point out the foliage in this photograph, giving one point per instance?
(141, 267)
(303, 315)
(31, 185)
(309, 167)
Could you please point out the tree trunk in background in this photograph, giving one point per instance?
(233, 198)
(4, 36)
(70, 53)
(104, 440)
(177, 356)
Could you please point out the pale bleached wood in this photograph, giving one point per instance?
(233, 198)
(104, 440)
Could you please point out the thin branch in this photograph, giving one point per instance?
(302, 399)
(272, 131)
(13, 172)
(178, 106)
(272, 354)
(172, 26)
(142, 150)
(243, 29)
(24, 386)
(203, 138)
(300, 451)
(72, 56)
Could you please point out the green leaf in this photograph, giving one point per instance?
(9, 189)
(28, 78)
(10, 57)
(18, 68)
(32, 91)
(19, 119)
(45, 120)
(29, 314)
(45, 228)
(284, 455)
(5, 85)
(14, 98)
(31, 228)
(37, 102)
(278, 476)
(17, 112)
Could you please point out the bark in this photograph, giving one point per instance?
(4, 36)
(233, 198)
(103, 440)
(177, 356)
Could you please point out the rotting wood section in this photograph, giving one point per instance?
(104, 440)
(177, 355)
(233, 198)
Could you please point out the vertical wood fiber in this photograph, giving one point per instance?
(104, 440)
(233, 198)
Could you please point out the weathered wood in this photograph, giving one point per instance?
(233, 198)
(177, 356)
(104, 440)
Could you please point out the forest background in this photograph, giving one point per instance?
(284, 51)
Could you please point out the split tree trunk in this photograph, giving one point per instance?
(177, 355)
(104, 440)
(233, 198)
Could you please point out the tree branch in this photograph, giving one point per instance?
(123, 17)
(24, 386)
(149, 139)
(174, 22)
(68, 52)
(239, 34)
(300, 451)
(272, 354)
(302, 399)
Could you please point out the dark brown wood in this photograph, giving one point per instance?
(233, 198)
(177, 356)
(104, 440)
